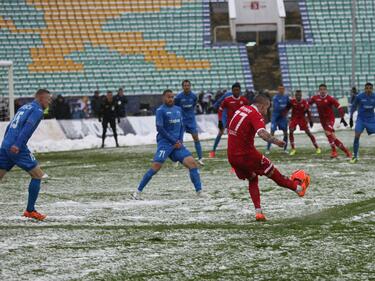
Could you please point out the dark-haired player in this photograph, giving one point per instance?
(300, 108)
(365, 102)
(325, 104)
(170, 144)
(248, 162)
(14, 150)
(187, 100)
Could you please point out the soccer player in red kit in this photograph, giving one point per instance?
(231, 104)
(248, 162)
(324, 103)
(300, 108)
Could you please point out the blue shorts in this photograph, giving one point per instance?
(24, 159)
(280, 123)
(164, 151)
(361, 125)
(191, 128)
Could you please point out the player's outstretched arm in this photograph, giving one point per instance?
(267, 137)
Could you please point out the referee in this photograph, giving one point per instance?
(108, 114)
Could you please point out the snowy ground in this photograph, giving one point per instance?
(95, 232)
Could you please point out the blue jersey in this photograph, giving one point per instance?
(280, 102)
(187, 102)
(169, 124)
(366, 105)
(23, 125)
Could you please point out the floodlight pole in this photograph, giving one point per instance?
(354, 30)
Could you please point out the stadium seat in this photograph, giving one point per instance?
(107, 44)
(326, 55)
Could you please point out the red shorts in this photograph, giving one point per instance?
(248, 166)
(302, 123)
(328, 125)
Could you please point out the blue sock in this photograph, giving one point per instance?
(195, 178)
(285, 139)
(356, 147)
(217, 140)
(198, 149)
(146, 178)
(34, 188)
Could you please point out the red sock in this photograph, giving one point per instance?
(283, 180)
(313, 140)
(340, 145)
(331, 141)
(291, 138)
(254, 192)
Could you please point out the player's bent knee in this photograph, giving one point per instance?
(156, 166)
(190, 163)
(36, 173)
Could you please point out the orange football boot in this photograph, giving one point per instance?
(260, 217)
(211, 154)
(303, 179)
(34, 215)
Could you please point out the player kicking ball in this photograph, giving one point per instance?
(324, 104)
(14, 150)
(187, 100)
(248, 162)
(169, 144)
(365, 102)
(300, 108)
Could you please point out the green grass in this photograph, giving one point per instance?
(94, 232)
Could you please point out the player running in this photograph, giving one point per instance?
(170, 129)
(217, 104)
(324, 103)
(248, 162)
(187, 100)
(14, 150)
(227, 109)
(279, 119)
(365, 102)
(300, 108)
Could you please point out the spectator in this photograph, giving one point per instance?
(121, 101)
(353, 94)
(84, 107)
(61, 109)
(96, 103)
(17, 105)
(250, 95)
(207, 102)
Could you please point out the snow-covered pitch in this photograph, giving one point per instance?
(95, 232)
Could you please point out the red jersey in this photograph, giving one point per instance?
(299, 109)
(324, 105)
(231, 104)
(246, 122)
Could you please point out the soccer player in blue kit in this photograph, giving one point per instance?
(14, 149)
(187, 100)
(279, 119)
(365, 102)
(169, 124)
